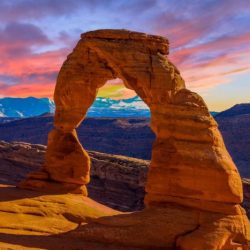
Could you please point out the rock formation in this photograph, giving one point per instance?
(31, 220)
(190, 169)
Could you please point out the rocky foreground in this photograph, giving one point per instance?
(131, 136)
(116, 181)
(32, 220)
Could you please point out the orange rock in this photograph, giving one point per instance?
(34, 220)
(190, 165)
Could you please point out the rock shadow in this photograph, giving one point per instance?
(12, 193)
(52, 242)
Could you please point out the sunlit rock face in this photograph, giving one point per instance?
(190, 165)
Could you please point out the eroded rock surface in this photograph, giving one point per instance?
(190, 165)
(115, 181)
(34, 220)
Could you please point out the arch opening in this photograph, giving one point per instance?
(115, 100)
(124, 132)
(115, 89)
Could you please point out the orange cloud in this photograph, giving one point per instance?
(213, 63)
(35, 74)
(25, 90)
(203, 66)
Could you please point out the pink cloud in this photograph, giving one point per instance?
(35, 73)
(209, 41)
(212, 63)
(25, 90)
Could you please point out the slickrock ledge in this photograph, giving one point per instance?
(36, 220)
(33, 220)
(190, 166)
(116, 181)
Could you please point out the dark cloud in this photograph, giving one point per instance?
(9, 79)
(37, 9)
(39, 77)
(17, 39)
(23, 33)
(29, 78)
(186, 23)
(135, 7)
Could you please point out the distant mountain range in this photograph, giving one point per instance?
(16, 108)
(102, 107)
(11, 108)
(234, 124)
(132, 136)
(122, 136)
(25, 107)
(236, 110)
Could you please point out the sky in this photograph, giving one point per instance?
(209, 42)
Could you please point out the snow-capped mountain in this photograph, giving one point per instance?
(106, 107)
(25, 107)
(102, 107)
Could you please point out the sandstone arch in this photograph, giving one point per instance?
(190, 165)
(188, 143)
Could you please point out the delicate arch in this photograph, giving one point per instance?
(190, 164)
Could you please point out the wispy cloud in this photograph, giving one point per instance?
(210, 40)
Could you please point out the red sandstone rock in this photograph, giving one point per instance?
(190, 165)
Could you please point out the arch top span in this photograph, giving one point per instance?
(156, 43)
(140, 60)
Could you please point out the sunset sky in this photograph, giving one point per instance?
(209, 39)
